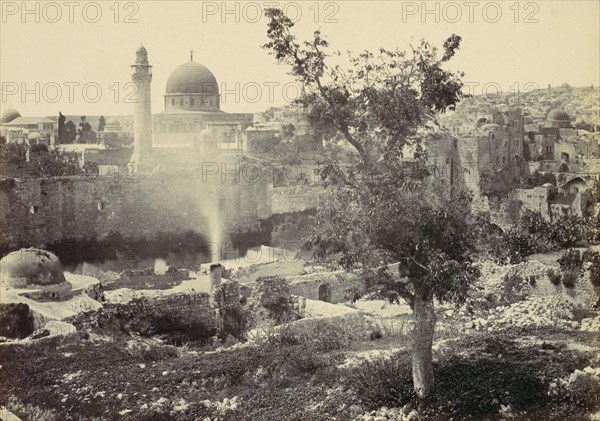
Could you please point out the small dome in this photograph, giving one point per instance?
(548, 186)
(9, 115)
(206, 132)
(34, 135)
(192, 78)
(558, 115)
(31, 268)
(113, 122)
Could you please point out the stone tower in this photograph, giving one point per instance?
(141, 75)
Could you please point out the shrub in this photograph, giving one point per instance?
(376, 334)
(554, 275)
(585, 391)
(513, 289)
(571, 260)
(534, 223)
(569, 278)
(567, 231)
(532, 281)
(513, 246)
(593, 258)
(383, 382)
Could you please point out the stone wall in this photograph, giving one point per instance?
(294, 198)
(38, 212)
(144, 316)
(333, 287)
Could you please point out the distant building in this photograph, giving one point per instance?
(30, 130)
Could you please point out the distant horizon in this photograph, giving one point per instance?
(504, 48)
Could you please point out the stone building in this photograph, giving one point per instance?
(192, 116)
(27, 130)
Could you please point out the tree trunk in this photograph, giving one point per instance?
(422, 365)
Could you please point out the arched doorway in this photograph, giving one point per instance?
(563, 168)
(325, 293)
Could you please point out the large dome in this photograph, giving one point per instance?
(9, 115)
(192, 78)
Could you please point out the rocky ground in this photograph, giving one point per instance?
(510, 353)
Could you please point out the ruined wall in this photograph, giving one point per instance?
(333, 287)
(152, 315)
(294, 198)
(36, 212)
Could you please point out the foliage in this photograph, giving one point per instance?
(571, 260)
(567, 231)
(12, 153)
(585, 392)
(56, 163)
(572, 266)
(85, 133)
(62, 136)
(287, 131)
(513, 246)
(537, 179)
(535, 234)
(101, 123)
(554, 275)
(569, 278)
(534, 223)
(382, 208)
(70, 133)
(513, 289)
(594, 267)
(382, 382)
(497, 183)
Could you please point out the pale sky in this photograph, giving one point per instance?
(551, 42)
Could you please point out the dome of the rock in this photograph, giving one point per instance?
(192, 78)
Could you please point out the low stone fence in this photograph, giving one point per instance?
(145, 316)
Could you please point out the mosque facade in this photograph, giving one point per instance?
(192, 117)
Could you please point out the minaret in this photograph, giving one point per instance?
(141, 75)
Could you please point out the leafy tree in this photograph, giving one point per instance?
(567, 231)
(86, 133)
(534, 223)
(499, 183)
(538, 179)
(70, 132)
(62, 131)
(514, 246)
(56, 163)
(288, 130)
(12, 153)
(101, 124)
(382, 208)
